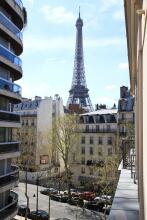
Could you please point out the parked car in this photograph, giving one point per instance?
(49, 191)
(107, 209)
(22, 210)
(73, 201)
(59, 198)
(87, 196)
(39, 215)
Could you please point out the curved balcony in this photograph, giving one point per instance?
(12, 32)
(10, 89)
(11, 61)
(9, 116)
(17, 9)
(9, 180)
(10, 210)
(8, 147)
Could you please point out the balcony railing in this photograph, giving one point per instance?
(11, 117)
(10, 25)
(9, 147)
(19, 3)
(10, 207)
(10, 178)
(104, 130)
(4, 52)
(9, 86)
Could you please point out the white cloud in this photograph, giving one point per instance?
(119, 15)
(123, 66)
(110, 87)
(57, 14)
(107, 4)
(35, 43)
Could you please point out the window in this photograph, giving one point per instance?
(109, 141)
(97, 128)
(100, 151)
(44, 159)
(83, 150)
(109, 151)
(100, 140)
(91, 140)
(91, 171)
(22, 122)
(83, 160)
(87, 128)
(32, 123)
(108, 127)
(27, 122)
(91, 150)
(83, 140)
(82, 170)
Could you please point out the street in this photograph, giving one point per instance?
(58, 209)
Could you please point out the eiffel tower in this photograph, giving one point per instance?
(78, 94)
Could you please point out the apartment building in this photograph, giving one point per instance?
(126, 123)
(136, 19)
(98, 140)
(12, 21)
(35, 134)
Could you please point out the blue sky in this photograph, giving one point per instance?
(49, 46)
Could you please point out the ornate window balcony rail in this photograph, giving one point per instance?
(9, 147)
(105, 130)
(4, 52)
(10, 25)
(19, 3)
(8, 85)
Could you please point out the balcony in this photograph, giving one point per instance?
(125, 204)
(10, 87)
(4, 52)
(19, 3)
(9, 180)
(10, 25)
(11, 208)
(8, 147)
(9, 116)
(104, 130)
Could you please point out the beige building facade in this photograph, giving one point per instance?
(98, 140)
(136, 18)
(36, 119)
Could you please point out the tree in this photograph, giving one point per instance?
(64, 140)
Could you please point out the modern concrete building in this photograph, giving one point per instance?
(12, 21)
(36, 119)
(98, 140)
(136, 19)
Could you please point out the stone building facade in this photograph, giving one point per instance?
(36, 123)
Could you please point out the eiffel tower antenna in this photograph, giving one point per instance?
(78, 94)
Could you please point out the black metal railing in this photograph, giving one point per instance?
(9, 116)
(10, 86)
(104, 130)
(4, 52)
(11, 207)
(9, 147)
(9, 178)
(10, 25)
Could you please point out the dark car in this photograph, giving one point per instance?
(39, 215)
(62, 219)
(49, 191)
(22, 210)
